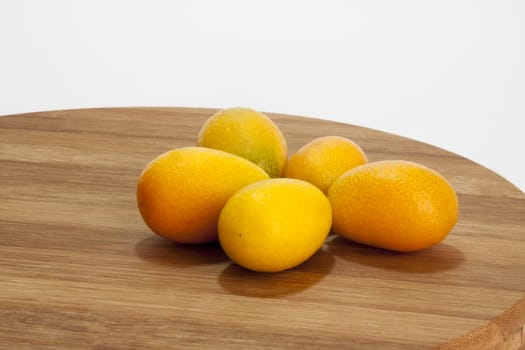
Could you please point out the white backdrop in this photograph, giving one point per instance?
(450, 73)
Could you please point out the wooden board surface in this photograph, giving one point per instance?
(79, 269)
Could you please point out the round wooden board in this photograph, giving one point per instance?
(79, 269)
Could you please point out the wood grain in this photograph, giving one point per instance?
(80, 270)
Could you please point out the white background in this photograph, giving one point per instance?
(450, 73)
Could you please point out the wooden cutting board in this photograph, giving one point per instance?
(79, 269)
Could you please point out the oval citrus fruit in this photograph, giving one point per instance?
(274, 225)
(396, 205)
(249, 134)
(324, 159)
(181, 193)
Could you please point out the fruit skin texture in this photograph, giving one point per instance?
(274, 225)
(322, 160)
(180, 194)
(396, 205)
(248, 134)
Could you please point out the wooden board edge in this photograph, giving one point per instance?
(505, 332)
